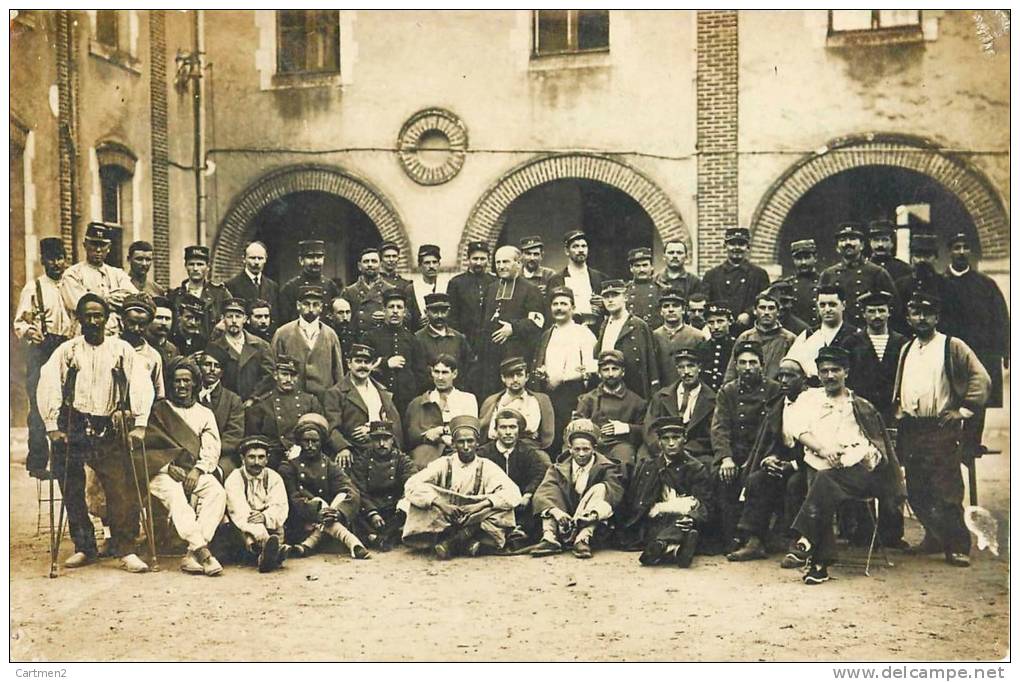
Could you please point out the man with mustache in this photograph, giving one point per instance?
(690, 400)
(278, 411)
(616, 410)
(367, 294)
(719, 346)
(854, 274)
(257, 508)
(924, 252)
(437, 337)
(881, 239)
(805, 279)
(260, 319)
(247, 360)
(210, 295)
(158, 334)
(532, 251)
(94, 275)
(312, 257)
(674, 276)
(429, 258)
(467, 293)
(312, 344)
(252, 284)
(586, 282)
(736, 281)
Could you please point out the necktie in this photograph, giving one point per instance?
(683, 405)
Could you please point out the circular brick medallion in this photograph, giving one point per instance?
(432, 146)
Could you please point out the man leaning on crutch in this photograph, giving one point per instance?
(81, 429)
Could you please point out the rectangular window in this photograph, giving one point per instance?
(116, 195)
(560, 31)
(107, 29)
(844, 20)
(307, 41)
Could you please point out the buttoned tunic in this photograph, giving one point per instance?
(856, 280)
(736, 285)
(739, 411)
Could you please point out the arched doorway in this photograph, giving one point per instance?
(307, 202)
(613, 221)
(871, 193)
(607, 180)
(954, 175)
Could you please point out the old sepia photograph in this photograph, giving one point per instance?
(510, 335)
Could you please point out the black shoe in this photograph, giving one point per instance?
(653, 553)
(298, 551)
(816, 575)
(797, 556)
(958, 560)
(359, 552)
(686, 552)
(269, 557)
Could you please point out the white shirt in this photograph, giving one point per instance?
(924, 391)
(570, 345)
(204, 394)
(612, 333)
(805, 347)
(235, 342)
(526, 404)
(695, 392)
(458, 403)
(263, 493)
(373, 401)
(309, 330)
(959, 273)
(421, 490)
(423, 288)
(58, 320)
(579, 281)
(829, 420)
(202, 422)
(579, 474)
(255, 279)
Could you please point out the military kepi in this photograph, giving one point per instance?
(532, 242)
(196, 252)
(312, 247)
(803, 246)
(639, 254)
(840, 356)
(97, 232)
(737, 234)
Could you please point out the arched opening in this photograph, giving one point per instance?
(344, 227)
(613, 221)
(869, 193)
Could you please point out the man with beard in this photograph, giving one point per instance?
(616, 410)
(513, 319)
(339, 320)
(354, 403)
(429, 415)
(669, 499)
(673, 335)
(260, 319)
(78, 398)
(630, 335)
(184, 433)
(854, 275)
(766, 332)
(140, 256)
(773, 478)
(690, 400)
(697, 307)
(536, 407)
(940, 384)
(674, 277)
(323, 500)
(312, 344)
(438, 338)
(736, 282)
(532, 251)
(366, 295)
(257, 508)
(380, 473)
(460, 504)
(248, 365)
(428, 265)
(93, 275)
(312, 256)
(924, 251)
(976, 313)
(834, 330)
(719, 347)
(642, 294)
(740, 406)
(389, 259)
(578, 496)
(881, 236)
(805, 279)
(586, 282)
(782, 291)
(525, 466)
(401, 368)
(211, 295)
(467, 294)
(136, 314)
(42, 323)
(158, 332)
(275, 415)
(251, 283)
(564, 360)
(189, 338)
(845, 441)
(226, 407)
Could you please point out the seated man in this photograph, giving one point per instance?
(616, 410)
(323, 500)
(536, 407)
(577, 496)
(380, 472)
(845, 441)
(276, 414)
(773, 478)
(525, 466)
(460, 503)
(691, 400)
(256, 507)
(183, 434)
(428, 416)
(668, 498)
(226, 406)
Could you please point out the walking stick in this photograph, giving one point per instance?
(55, 543)
(150, 523)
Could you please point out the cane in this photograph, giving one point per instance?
(55, 544)
(150, 531)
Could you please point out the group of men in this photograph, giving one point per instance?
(521, 410)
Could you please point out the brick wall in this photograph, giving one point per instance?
(67, 158)
(717, 132)
(160, 149)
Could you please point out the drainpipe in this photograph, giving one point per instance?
(198, 95)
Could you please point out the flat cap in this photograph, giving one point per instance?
(217, 353)
(532, 242)
(638, 254)
(360, 350)
(437, 300)
(611, 357)
(561, 291)
(311, 291)
(617, 285)
(196, 252)
(97, 232)
(309, 247)
(428, 250)
(511, 365)
(256, 440)
(736, 234)
(803, 246)
(840, 356)
(572, 236)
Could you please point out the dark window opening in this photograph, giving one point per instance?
(107, 30)
(308, 41)
(558, 31)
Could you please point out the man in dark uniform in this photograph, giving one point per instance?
(189, 338)
(736, 282)
(275, 415)
(311, 256)
(881, 238)
(673, 335)
(718, 347)
(366, 294)
(159, 331)
(212, 295)
(782, 290)
(248, 363)
(389, 259)
(740, 407)
(855, 275)
(976, 313)
(339, 320)
(532, 250)
(467, 293)
(622, 331)
(805, 279)
(616, 410)
(251, 283)
(380, 472)
(437, 338)
(924, 250)
(674, 277)
(689, 399)
(586, 282)
(642, 292)
(401, 363)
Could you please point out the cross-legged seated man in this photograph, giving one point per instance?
(380, 472)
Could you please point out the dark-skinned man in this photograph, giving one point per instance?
(805, 279)
(616, 410)
(275, 415)
(690, 400)
(136, 314)
(94, 275)
(853, 274)
(311, 257)
(736, 281)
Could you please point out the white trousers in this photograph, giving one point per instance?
(195, 524)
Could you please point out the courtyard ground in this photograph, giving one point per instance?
(401, 606)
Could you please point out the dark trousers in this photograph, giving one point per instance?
(38, 443)
(564, 402)
(829, 489)
(931, 455)
(230, 544)
(93, 440)
(767, 495)
(730, 508)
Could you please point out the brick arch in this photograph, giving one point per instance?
(235, 228)
(974, 190)
(487, 218)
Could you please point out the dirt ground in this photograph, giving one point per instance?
(401, 606)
